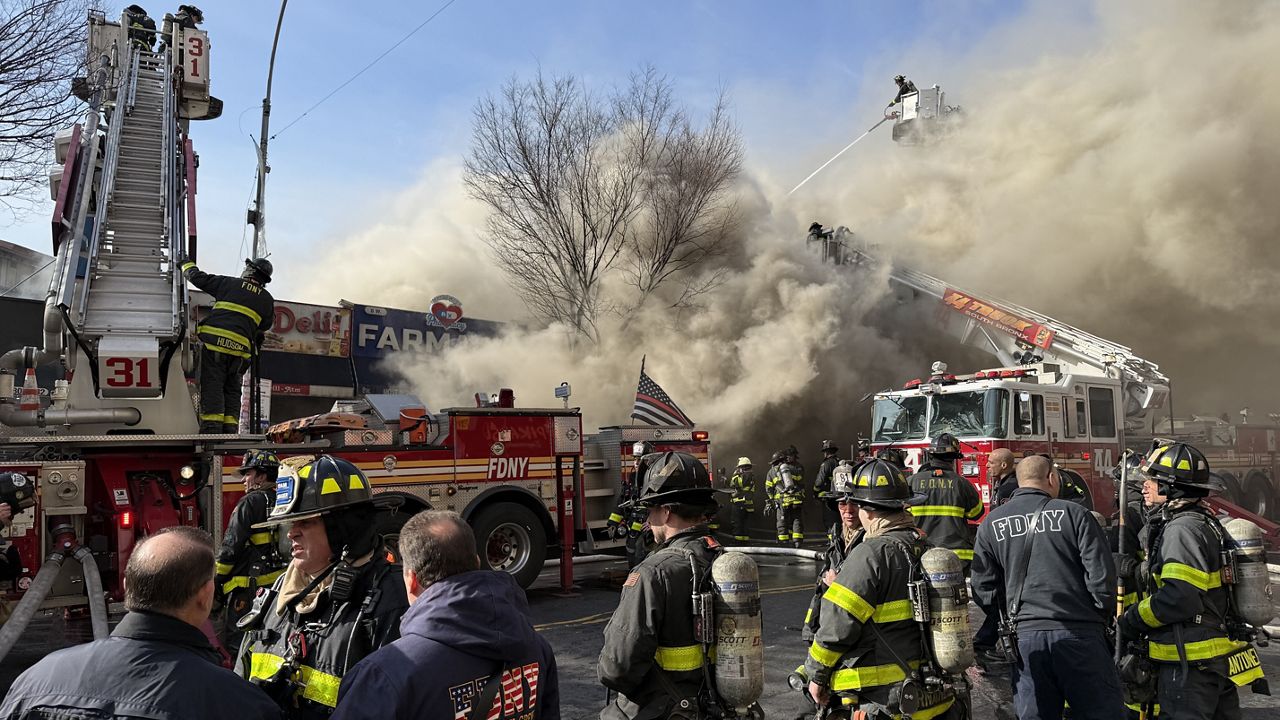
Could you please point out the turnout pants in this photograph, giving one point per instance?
(741, 515)
(1072, 666)
(1206, 693)
(220, 376)
(790, 528)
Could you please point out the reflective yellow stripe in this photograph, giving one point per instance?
(637, 526)
(677, 659)
(936, 510)
(1148, 615)
(262, 538)
(1199, 650)
(226, 351)
(320, 687)
(230, 420)
(188, 265)
(870, 676)
(933, 712)
(264, 665)
(222, 569)
(211, 417)
(848, 600)
(808, 615)
(964, 554)
(238, 308)
(1129, 599)
(1197, 578)
(242, 581)
(828, 658)
(975, 511)
(892, 612)
(1244, 667)
(615, 518)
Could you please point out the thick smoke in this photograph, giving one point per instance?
(1123, 184)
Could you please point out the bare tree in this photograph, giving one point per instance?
(581, 187)
(41, 50)
(688, 204)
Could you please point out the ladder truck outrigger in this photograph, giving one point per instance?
(1055, 389)
(115, 454)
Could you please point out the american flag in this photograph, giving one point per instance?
(654, 407)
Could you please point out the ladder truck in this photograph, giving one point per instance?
(114, 454)
(1056, 389)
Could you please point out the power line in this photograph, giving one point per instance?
(362, 71)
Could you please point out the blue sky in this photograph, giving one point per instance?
(793, 70)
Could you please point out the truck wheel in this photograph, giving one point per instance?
(1257, 495)
(510, 538)
(1233, 491)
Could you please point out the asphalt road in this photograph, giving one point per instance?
(574, 626)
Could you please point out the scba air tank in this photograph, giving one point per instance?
(948, 609)
(739, 646)
(1251, 590)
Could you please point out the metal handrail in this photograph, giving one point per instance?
(110, 164)
(171, 187)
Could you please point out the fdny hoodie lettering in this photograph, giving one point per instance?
(1016, 525)
(518, 698)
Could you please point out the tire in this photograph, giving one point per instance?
(1258, 496)
(509, 537)
(1234, 492)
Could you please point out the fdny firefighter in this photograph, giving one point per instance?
(339, 599)
(1044, 564)
(651, 655)
(249, 558)
(905, 87)
(242, 312)
(142, 29)
(844, 534)
(742, 483)
(786, 496)
(1187, 613)
(868, 641)
(627, 520)
(950, 499)
(822, 484)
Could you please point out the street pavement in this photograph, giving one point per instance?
(574, 625)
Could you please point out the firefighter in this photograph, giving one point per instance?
(1003, 481)
(742, 483)
(896, 456)
(905, 87)
(1188, 610)
(339, 599)
(188, 16)
(822, 485)
(786, 496)
(651, 655)
(844, 534)
(142, 29)
(867, 637)
(627, 520)
(231, 334)
(951, 500)
(249, 558)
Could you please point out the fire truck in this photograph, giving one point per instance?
(1057, 390)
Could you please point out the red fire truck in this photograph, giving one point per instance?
(1061, 391)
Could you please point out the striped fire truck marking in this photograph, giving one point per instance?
(430, 472)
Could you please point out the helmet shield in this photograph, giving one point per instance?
(883, 485)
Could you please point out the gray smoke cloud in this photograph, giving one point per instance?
(1121, 180)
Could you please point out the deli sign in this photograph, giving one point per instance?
(310, 330)
(992, 316)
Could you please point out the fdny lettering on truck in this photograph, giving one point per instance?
(508, 468)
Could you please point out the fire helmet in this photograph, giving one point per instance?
(945, 447)
(641, 448)
(778, 457)
(896, 456)
(261, 268)
(744, 462)
(324, 486)
(193, 12)
(829, 447)
(841, 482)
(882, 485)
(899, 78)
(1182, 468)
(671, 477)
(263, 460)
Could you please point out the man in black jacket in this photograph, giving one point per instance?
(1047, 565)
(231, 335)
(157, 663)
(1002, 482)
(822, 485)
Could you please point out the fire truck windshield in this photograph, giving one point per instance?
(898, 418)
(981, 413)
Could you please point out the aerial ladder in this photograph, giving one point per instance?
(117, 308)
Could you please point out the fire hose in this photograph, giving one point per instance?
(43, 584)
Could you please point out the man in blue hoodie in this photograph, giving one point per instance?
(467, 650)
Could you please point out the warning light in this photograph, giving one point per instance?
(1084, 456)
(126, 519)
(700, 435)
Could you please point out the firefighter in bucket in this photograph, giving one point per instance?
(340, 597)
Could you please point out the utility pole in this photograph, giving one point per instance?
(258, 215)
